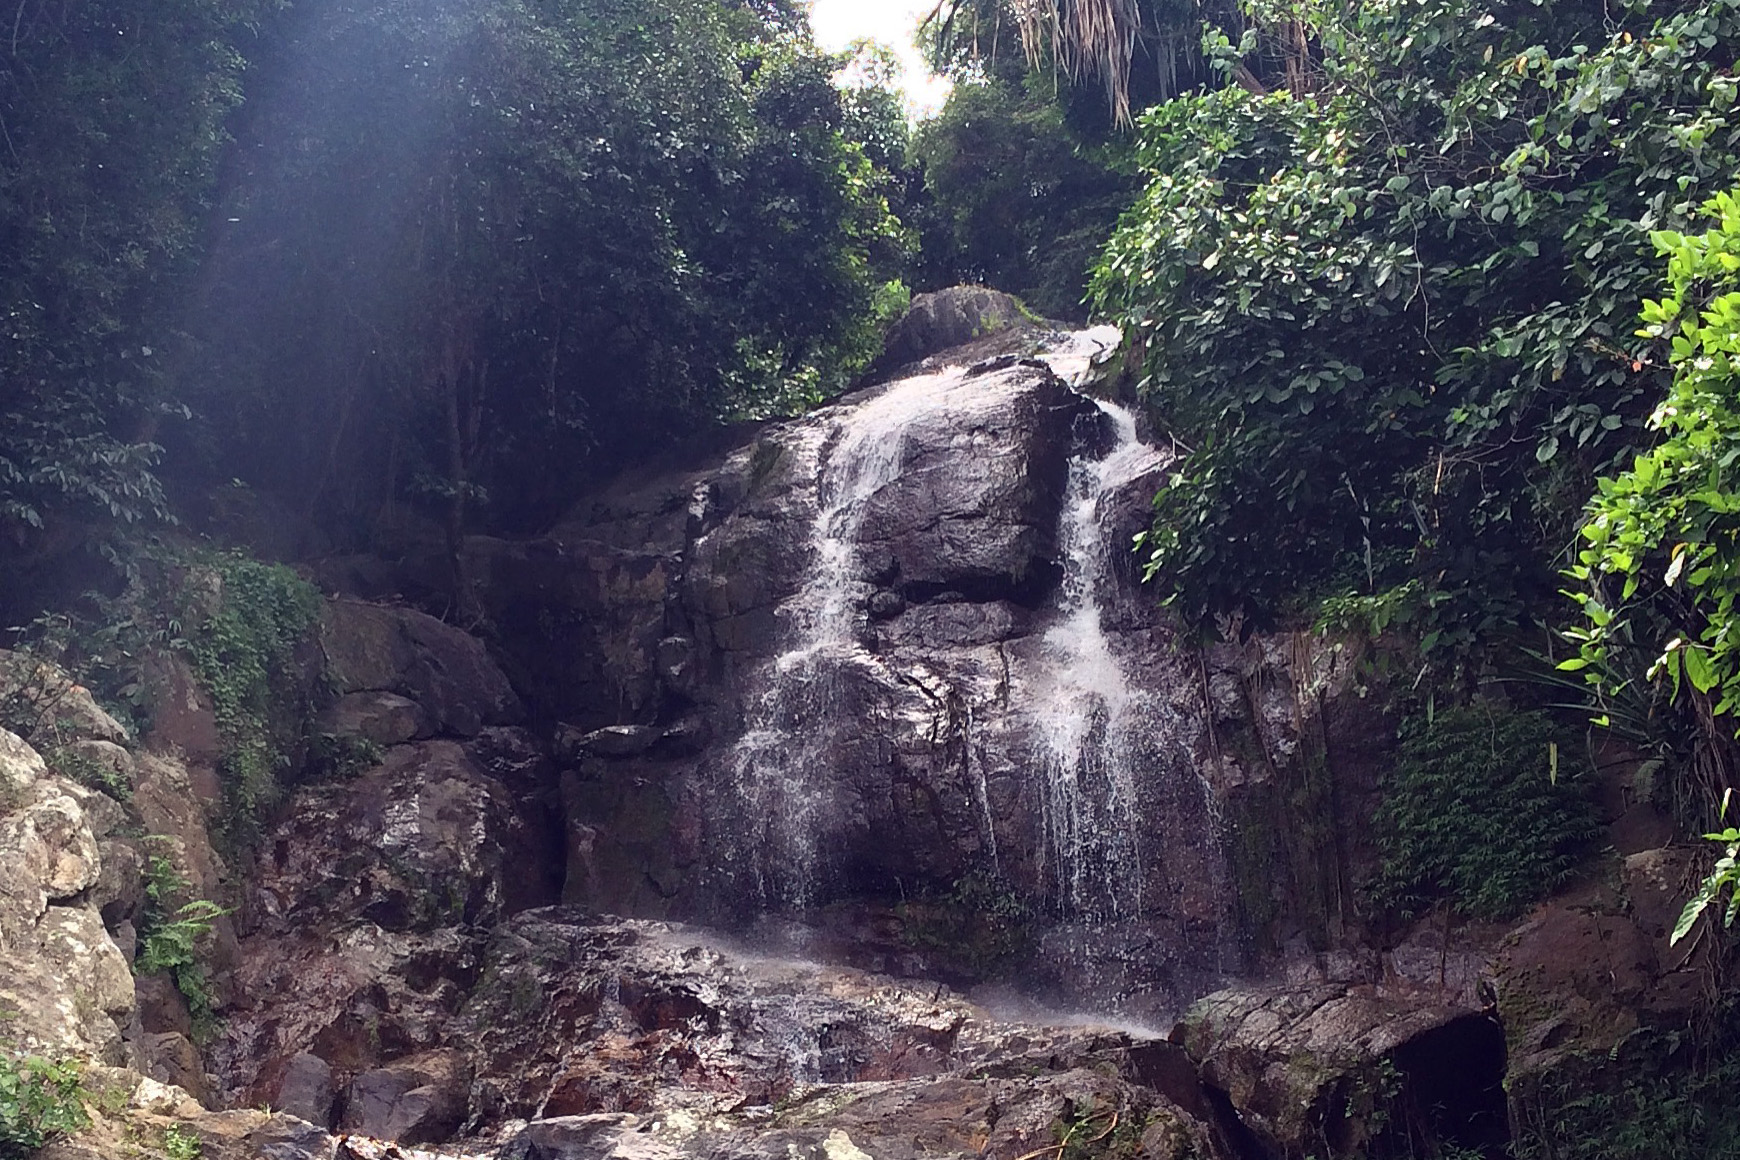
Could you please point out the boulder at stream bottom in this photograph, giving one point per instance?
(585, 1036)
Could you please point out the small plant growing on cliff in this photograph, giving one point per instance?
(339, 757)
(1091, 1131)
(39, 1100)
(1725, 876)
(181, 1144)
(89, 772)
(169, 937)
(981, 919)
(1486, 808)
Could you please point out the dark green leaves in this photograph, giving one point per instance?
(1658, 559)
(592, 226)
(113, 117)
(1460, 215)
(1485, 808)
(39, 1100)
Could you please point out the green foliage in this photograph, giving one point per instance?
(103, 640)
(1660, 561)
(519, 241)
(336, 757)
(181, 1144)
(29, 690)
(1486, 807)
(1658, 1095)
(1024, 201)
(1101, 58)
(1386, 322)
(1093, 1131)
(237, 620)
(39, 1101)
(244, 629)
(89, 772)
(170, 932)
(113, 118)
(1724, 876)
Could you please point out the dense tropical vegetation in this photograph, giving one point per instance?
(1390, 276)
(450, 257)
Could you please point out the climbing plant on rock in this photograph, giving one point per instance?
(246, 618)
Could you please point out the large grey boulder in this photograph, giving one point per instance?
(975, 507)
(304, 1089)
(944, 319)
(375, 716)
(419, 1099)
(446, 671)
(1346, 1070)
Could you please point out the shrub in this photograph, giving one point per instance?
(1485, 807)
(39, 1100)
(169, 937)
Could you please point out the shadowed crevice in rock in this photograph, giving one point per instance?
(1453, 1088)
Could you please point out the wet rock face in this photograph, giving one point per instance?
(611, 1035)
(628, 1015)
(974, 508)
(727, 753)
(367, 907)
(419, 1099)
(428, 838)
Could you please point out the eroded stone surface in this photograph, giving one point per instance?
(588, 1026)
(1349, 1070)
(447, 672)
(65, 989)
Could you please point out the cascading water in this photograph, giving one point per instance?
(791, 717)
(1014, 736)
(1097, 726)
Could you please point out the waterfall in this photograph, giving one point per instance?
(1085, 733)
(791, 716)
(1095, 723)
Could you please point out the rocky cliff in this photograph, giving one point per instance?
(928, 826)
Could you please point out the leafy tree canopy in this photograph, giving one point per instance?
(1387, 322)
(1106, 57)
(111, 127)
(477, 245)
(1022, 201)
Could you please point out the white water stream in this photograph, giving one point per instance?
(1094, 720)
(791, 717)
(1094, 728)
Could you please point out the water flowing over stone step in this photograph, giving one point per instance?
(949, 697)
